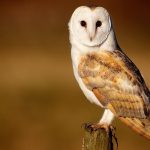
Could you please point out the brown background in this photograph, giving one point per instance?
(41, 105)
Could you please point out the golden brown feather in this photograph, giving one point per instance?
(119, 86)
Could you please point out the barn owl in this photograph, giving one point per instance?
(104, 72)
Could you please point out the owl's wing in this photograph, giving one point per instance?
(119, 86)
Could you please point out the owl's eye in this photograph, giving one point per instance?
(83, 23)
(98, 24)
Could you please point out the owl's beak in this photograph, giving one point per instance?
(92, 31)
(92, 35)
(91, 38)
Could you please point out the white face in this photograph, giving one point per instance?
(90, 27)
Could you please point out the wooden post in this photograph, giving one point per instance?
(98, 139)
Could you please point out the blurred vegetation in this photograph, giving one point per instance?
(42, 107)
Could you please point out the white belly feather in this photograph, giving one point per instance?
(89, 94)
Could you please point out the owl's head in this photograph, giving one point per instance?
(90, 26)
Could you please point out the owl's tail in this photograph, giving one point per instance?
(141, 126)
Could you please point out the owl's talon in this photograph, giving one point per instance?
(94, 127)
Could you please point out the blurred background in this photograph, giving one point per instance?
(41, 105)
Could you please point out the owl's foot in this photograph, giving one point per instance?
(94, 127)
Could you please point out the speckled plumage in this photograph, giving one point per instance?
(119, 86)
